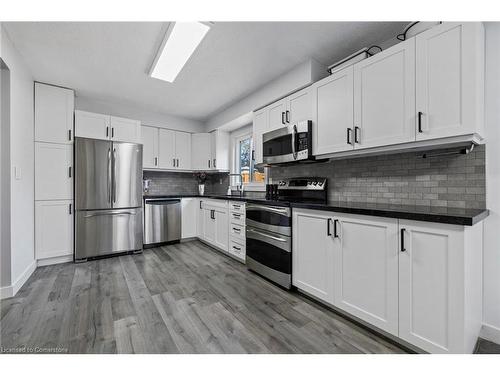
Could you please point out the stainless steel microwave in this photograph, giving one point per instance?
(289, 143)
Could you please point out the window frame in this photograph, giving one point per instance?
(235, 160)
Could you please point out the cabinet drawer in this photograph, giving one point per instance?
(237, 207)
(237, 250)
(237, 231)
(237, 218)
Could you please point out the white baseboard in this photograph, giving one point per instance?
(5, 292)
(490, 333)
(11, 290)
(54, 260)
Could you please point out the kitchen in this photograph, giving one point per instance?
(344, 204)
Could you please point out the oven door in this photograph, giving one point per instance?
(269, 254)
(270, 218)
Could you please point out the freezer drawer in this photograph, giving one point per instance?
(107, 231)
(162, 221)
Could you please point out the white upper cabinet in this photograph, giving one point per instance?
(260, 126)
(219, 148)
(299, 107)
(384, 97)
(53, 171)
(277, 113)
(166, 149)
(450, 80)
(125, 130)
(183, 150)
(150, 146)
(92, 125)
(53, 228)
(366, 269)
(54, 107)
(201, 155)
(101, 126)
(333, 112)
(313, 253)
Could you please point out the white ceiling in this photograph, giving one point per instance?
(110, 60)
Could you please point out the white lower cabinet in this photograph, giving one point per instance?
(53, 171)
(419, 281)
(440, 286)
(214, 223)
(189, 208)
(366, 269)
(221, 229)
(312, 255)
(53, 229)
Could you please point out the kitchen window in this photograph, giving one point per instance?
(243, 164)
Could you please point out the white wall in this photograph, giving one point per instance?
(22, 160)
(239, 113)
(491, 305)
(146, 117)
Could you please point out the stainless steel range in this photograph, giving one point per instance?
(269, 228)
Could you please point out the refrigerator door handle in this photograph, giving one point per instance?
(109, 213)
(109, 175)
(114, 175)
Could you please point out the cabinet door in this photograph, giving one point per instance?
(260, 125)
(54, 108)
(53, 171)
(221, 230)
(449, 79)
(384, 97)
(430, 286)
(200, 212)
(333, 113)
(299, 107)
(276, 113)
(312, 254)
(150, 138)
(200, 151)
(183, 150)
(53, 228)
(92, 125)
(189, 207)
(209, 226)
(125, 130)
(166, 149)
(366, 269)
(220, 150)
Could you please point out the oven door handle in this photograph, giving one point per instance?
(281, 211)
(279, 239)
(294, 141)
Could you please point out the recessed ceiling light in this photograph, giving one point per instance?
(179, 43)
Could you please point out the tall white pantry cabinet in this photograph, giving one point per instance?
(54, 109)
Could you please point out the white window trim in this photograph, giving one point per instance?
(235, 139)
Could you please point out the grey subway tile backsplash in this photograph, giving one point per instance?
(173, 183)
(441, 181)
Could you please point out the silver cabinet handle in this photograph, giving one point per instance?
(266, 235)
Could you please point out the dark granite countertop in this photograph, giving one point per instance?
(445, 215)
(458, 216)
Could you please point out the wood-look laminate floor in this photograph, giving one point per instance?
(183, 298)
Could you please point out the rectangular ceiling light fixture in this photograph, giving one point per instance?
(180, 41)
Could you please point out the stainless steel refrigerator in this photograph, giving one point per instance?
(108, 197)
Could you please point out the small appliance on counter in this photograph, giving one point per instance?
(269, 227)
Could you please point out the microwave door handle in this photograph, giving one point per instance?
(294, 141)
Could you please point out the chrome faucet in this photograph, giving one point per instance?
(240, 186)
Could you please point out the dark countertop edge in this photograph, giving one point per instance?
(408, 215)
(417, 216)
